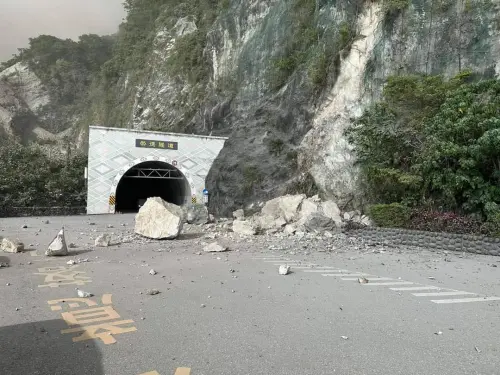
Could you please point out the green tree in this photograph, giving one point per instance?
(432, 142)
(461, 157)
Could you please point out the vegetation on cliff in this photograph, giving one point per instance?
(66, 68)
(409, 144)
(432, 144)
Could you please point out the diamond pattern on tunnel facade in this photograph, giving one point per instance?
(113, 151)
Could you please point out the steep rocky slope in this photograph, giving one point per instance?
(282, 79)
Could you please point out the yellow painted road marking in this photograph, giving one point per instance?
(179, 371)
(57, 276)
(92, 315)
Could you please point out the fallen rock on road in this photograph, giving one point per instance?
(10, 246)
(103, 240)
(214, 247)
(196, 214)
(58, 245)
(284, 270)
(246, 228)
(291, 214)
(159, 219)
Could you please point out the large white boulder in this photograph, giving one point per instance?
(247, 228)
(196, 214)
(308, 207)
(58, 245)
(317, 216)
(265, 222)
(159, 219)
(239, 214)
(10, 246)
(318, 222)
(286, 207)
(331, 210)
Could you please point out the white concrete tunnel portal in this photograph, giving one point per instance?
(126, 167)
(151, 179)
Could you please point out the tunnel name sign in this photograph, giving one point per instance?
(148, 143)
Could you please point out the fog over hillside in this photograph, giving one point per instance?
(22, 19)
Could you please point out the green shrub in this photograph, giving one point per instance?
(436, 221)
(276, 146)
(395, 5)
(432, 143)
(187, 58)
(394, 215)
(492, 226)
(252, 177)
(29, 178)
(318, 69)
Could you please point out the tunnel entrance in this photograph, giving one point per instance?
(150, 179)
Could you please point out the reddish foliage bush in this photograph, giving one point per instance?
(435, 221)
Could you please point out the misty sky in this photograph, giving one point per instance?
(22, 19)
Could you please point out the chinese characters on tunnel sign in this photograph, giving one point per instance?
(148, 143)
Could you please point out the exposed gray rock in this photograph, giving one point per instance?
(244, 227)
(104, 240)
(357, 217)
(280, 223)
(58, 245)
(266, 222)
(309, 206)
(196, 214)
(284, 270)
(290, 229)
(318, 222)
(214, 247)
(10, 246)
(159, 219)
(331, 210)
(286, 206)
(239, 214)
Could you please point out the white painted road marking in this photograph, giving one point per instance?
(416, 288)
(369, 279)
(391, 283)
(314, 267)
(347, 275)
(463, 300)
(344, 274)
(330, 270)
(437, 294)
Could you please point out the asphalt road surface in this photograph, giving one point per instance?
(231, 313)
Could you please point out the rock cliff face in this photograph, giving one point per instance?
(22, 96)
(282, 79)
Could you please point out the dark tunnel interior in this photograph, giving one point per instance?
(150, 179)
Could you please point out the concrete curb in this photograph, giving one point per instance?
(475, 244)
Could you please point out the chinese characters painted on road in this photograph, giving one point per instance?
(104, 320)
(58, 276)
